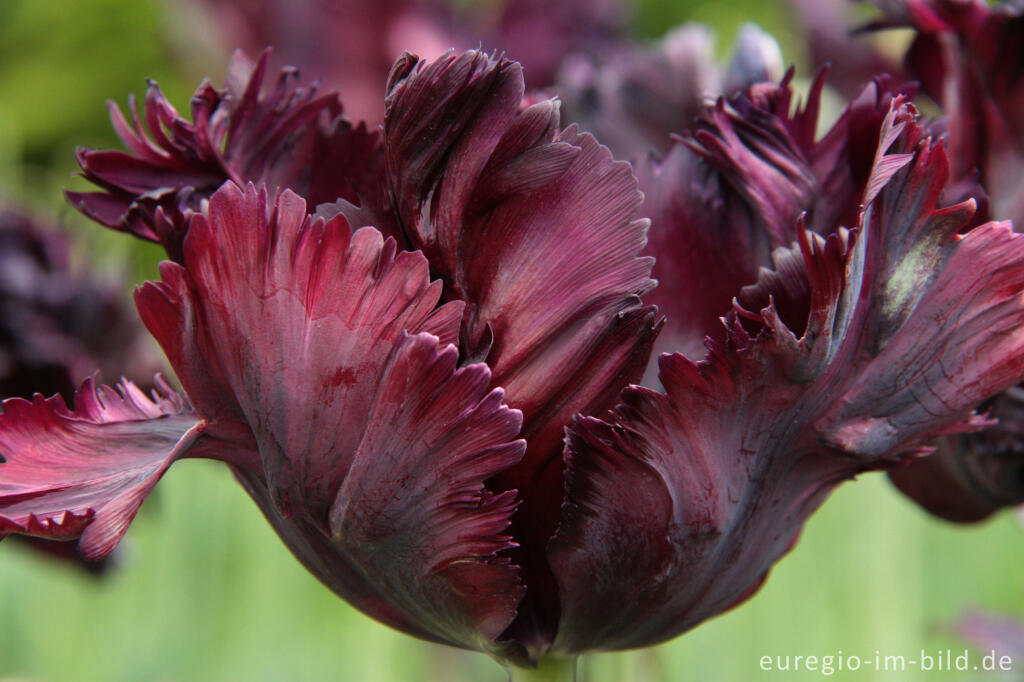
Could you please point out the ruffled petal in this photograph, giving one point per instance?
(292, 319)
(969, 57)
(85, 472)
(730, 192)
(680, 504)
(414, 537)
(536, 229)
(413, 512)
(278, 134)
(373, 447)
(972, 475)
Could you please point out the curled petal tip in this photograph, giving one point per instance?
(85, 472)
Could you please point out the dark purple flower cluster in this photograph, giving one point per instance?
(419, 348)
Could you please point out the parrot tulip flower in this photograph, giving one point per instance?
(430, 397)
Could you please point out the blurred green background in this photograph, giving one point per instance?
(205, 591)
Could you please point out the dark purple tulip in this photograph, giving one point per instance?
(682, 500)
(407, 437)
(56, 327)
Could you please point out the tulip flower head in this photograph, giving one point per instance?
(427, 383)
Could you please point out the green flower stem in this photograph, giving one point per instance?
(548, 670)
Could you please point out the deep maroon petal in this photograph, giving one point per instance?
(413, 512)
(106, 209)
(724, 199)
(413, 534)
(506, 207)
(972, 475)
(374, 448)
(536, 229)
(706, 242)
(298, 316)
(679, 506)
(85, 472)
(278, 134)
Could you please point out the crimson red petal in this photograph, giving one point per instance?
(679, 505)
(85, 472)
